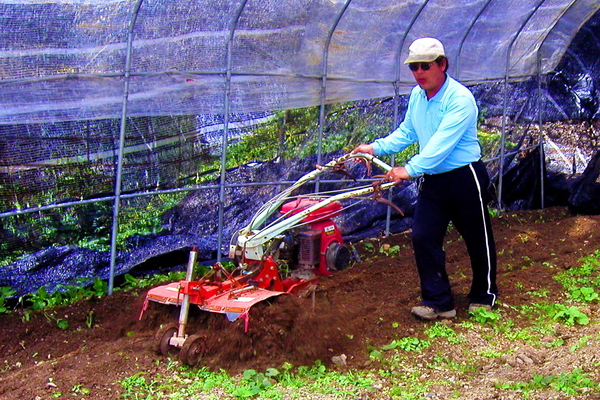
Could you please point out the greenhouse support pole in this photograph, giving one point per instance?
(502, 143)
(541, 124)
(464, 37)
(324, 86)
(396, 122)
(117, 201)
(226, 110)
(505, 102)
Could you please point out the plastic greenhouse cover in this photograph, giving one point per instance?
(80, 59)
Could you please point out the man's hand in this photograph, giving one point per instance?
(364, 148)
(397, 175)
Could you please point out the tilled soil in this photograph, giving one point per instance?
(365, 306)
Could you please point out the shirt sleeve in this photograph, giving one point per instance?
(460, 115)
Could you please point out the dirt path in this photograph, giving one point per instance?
(367, 304)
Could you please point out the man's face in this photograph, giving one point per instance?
(429, 76)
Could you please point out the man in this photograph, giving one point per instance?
(442, 117)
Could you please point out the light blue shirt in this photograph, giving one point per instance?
(445, 127)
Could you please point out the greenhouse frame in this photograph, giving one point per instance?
(86, 84)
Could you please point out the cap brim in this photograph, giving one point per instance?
(421, 58)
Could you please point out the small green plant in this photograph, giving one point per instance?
(376, 354)
(442, 330)
(583, 294)
(89, 320)
(490, 353)
(134, 283)
(388, 250)
(315, 372)
(581, 343)
(99, 288)
(467, 324)
(539, 293)
(254, 382)
(494, 212)
(26, 316)
(67, 294)
(484, 316)
(570, 383)
(555, 343)
(582, 275)
(62, 324)
(130, 282)
(519, 334)
(5, 293)
(80, 390)
(137, 387)
(40, 299)
(407, 344)
(369, 247)
(570, 315)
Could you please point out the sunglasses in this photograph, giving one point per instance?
(424, 66)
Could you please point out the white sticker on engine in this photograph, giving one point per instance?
(245, 299)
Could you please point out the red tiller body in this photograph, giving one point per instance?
(318, 221)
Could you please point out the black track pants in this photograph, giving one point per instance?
(461, 197)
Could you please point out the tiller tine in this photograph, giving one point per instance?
(378, 196)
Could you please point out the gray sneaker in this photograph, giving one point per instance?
(429, 313)
(475, 306)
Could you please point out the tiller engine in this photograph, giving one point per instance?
(290, 242)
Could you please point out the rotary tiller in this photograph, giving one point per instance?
(303, 240)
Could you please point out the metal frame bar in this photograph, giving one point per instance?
(556, 21)
(158, 192)
(403, 40)
(505, 100)
(396, 120)
(118, 183)
(323, 79)
(226, 110)
(221, 73)
(541, 127)
(464, 38)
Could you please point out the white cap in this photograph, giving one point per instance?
(424, 50)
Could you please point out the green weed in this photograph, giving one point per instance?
(581, 343)
(442, 330)
(388, 250)
(137, 387)
(490, 353)
(5, 293)
(583, 294)
(185, 383)
(570, 383)
(555, 343)
(62, 324)
(253, 382)
(570, 315)
(407, 344)
(484, 316)
(67, 294)
(520, 334)
(368, 246)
